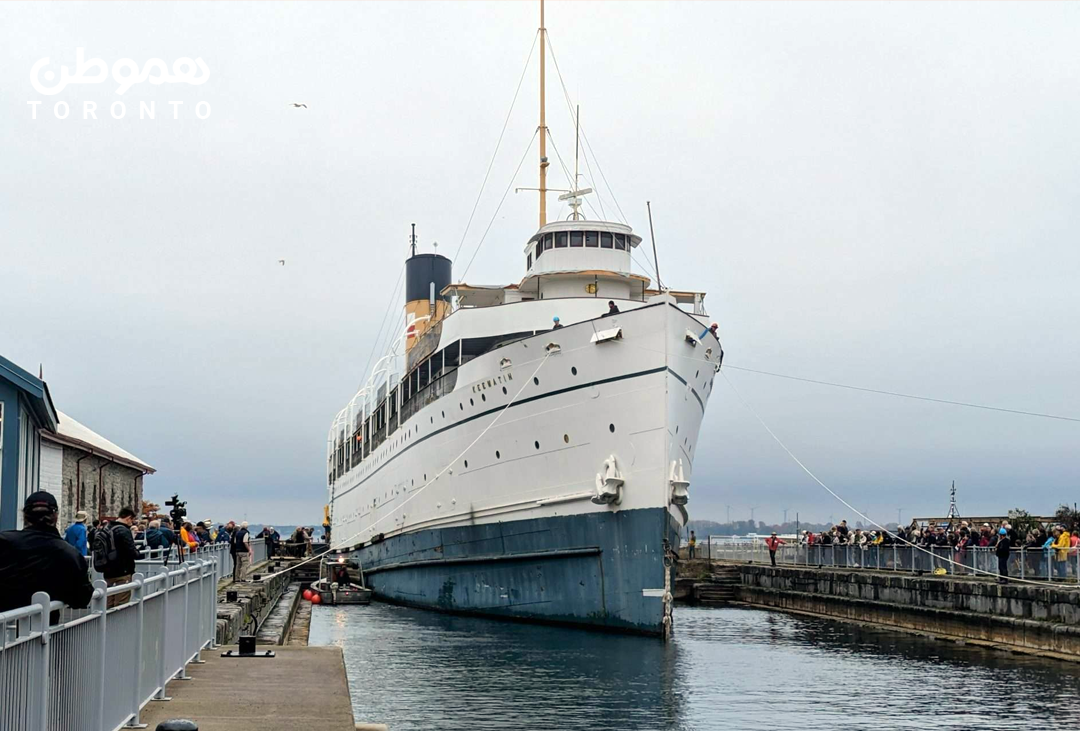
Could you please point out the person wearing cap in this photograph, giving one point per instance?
(242, 552)
(773, 543)
(76, 533)
(36, 559)
(612, 309)
(557, 324)
(122, 568)
(1004, 546)
(711, 329)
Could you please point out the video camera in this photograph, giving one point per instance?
(178, 512)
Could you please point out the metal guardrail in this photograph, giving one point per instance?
(1039, 564)
(99, 667)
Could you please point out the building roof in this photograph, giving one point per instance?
(73, 433)
(35, 389)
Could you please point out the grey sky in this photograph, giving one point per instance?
(878, 194)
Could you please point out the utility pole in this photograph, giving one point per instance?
(899, 520)
(728, 514)
(752, 515)
(785, 516)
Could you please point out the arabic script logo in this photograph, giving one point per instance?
(125, 72)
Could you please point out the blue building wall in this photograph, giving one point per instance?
(19, 392)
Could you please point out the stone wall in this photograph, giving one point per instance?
(254, 602)
(1020, 616)
(105, 486)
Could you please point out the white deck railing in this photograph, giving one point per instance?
(99, 667)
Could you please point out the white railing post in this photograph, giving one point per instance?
(215, 574)
(140, 596)
(100, 605)
(39, 622)
(184, 642)
(162, 677)
(199, 611)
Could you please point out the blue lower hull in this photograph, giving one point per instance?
(587, 570)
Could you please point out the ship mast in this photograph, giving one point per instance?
(543, 123)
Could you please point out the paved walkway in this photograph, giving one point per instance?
(301, 688)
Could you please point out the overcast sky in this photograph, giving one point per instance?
(877, 194)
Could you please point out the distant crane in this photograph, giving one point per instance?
(297, 105)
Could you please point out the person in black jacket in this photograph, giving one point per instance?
(1004, 545)
(36, 559)
(121, 570)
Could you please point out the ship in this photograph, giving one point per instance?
(525, 450)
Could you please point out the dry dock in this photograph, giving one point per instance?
(302, 687)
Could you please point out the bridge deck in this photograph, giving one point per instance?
(303, 687)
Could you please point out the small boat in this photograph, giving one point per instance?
(341, 581)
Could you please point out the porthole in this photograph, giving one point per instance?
(461, 406)
(425, 477)
(676, 429)
(566, 438)
(536, 381)
(466, 463)
(536, 444)
(471, 403)
(697, 373)
(573, 370)
(483, 397)
(611, 428)
(497, 455)
(444, 414)
(413, 483)
(432, 419)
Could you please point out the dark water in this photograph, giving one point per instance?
(726, 669)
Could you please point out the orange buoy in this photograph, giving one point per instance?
(316, 598)
(307, 594)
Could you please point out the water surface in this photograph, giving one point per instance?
(725, 669)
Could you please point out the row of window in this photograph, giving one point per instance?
(580, 239)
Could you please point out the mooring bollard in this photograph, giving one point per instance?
(257, 577)
(178, 724)
(231, 595)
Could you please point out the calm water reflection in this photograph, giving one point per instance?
(726, 669)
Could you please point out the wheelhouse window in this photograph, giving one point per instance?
(560, 240)
(528, 261)
(539, 249)
(548, 242)
(620, 242)
(576, 239)
(591, 239)
(605, 240)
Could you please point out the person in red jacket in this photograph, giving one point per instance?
(772, 543)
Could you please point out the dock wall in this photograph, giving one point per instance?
(1015, 616)
(254, 602)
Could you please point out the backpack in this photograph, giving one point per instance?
(103, 549)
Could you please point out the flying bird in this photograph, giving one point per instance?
(298, 105)
(281, 262)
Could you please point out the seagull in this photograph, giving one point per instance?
(281, 262)
(298, 105)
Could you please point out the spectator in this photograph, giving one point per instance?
(1004, 545)
(611, 309)
(773, 543)
(90, 533)
(156, 537)
(241, 551)
(225, 534)
(1061, 551)
(842, 530)
(187, 535)
(556, 322)
(36, 559)
(691, 545)
(76, 533)
(202, 534)
(120, 554)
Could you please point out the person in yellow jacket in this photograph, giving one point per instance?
(186, 536)
(1061, 546)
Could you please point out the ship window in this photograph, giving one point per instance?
(560, 240)
(528, 262)
(497, 455)
(483, 397)
(620, 242)
(504, 390)
(548, 242)
(466, 463)
(575, 239)
(591, 239)
(611, 428)
(536, 444)
(539, 250)
(605, 240)
(574, 370)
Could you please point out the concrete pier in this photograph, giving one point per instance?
(300, 688)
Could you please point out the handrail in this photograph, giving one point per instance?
(137, 647)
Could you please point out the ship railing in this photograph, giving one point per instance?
(99, 667)
(1038, 564)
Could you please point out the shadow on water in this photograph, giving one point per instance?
(727, 668)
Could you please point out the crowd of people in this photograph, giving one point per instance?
(38, 558)
(1055, 543)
